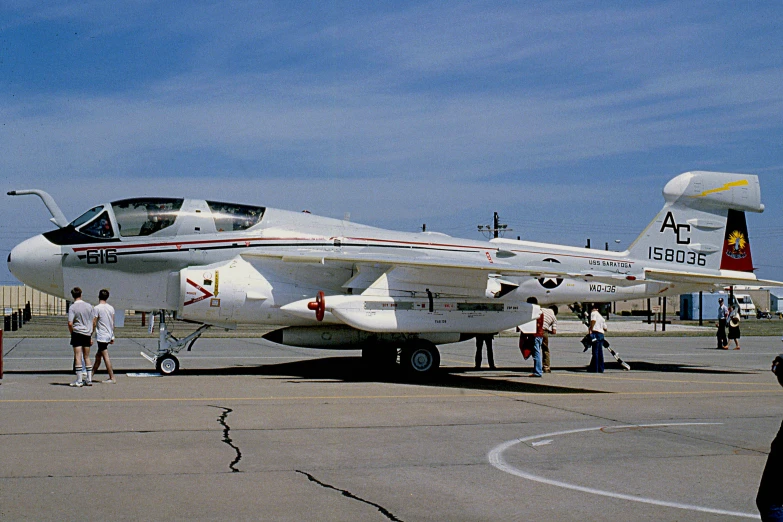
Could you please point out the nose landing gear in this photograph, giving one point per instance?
(166, 363)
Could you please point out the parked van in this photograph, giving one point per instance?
(746, 306)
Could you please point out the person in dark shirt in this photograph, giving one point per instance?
(770, 496)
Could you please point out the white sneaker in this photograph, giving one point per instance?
(110, 381)
(77, 384)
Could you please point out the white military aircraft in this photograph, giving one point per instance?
(337, 284)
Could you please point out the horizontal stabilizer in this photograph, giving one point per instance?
(726, 278)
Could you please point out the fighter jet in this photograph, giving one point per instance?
(336, 284)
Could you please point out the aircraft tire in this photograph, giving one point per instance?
(420, 360)
(167, 365)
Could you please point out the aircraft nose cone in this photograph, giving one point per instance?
(37, 262)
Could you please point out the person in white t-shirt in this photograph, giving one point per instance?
(596, 330)
(80, 325)
(103, 321)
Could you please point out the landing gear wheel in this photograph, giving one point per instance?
(167, 365)
(420, 360)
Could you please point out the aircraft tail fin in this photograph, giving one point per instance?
(702, 225)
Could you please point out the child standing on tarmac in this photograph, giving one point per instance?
(103, 323)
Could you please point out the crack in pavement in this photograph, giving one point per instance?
(20, 341)
(227, 438)
(385, 512)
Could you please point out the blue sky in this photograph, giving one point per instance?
(567, 118)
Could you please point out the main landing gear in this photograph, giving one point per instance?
(166, 363)
(419, 359)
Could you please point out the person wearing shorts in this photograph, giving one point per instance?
(103, 323)
(80, 319)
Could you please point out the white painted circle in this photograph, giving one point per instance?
(495, 457)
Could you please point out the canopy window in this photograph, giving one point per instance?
(145, 216)
(230, 217)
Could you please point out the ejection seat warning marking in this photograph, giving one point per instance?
(495, 457)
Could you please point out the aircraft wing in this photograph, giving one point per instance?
(481, 260)
(446, 272)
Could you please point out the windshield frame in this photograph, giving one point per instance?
(103, 232)
(87, 216)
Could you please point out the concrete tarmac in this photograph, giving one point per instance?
(253, 431)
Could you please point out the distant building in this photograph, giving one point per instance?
(764, 300)
(13, 298)
(689, 305)
(775, 298)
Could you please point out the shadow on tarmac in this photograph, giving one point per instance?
(643, 366)
(353, 369)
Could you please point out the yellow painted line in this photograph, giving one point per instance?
(610, 394)
(695, 392)
(723, 188)
(594, 376)
(463, 363)
(293, 398)
(591, 393)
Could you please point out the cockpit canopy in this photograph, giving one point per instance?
(144, 217)
(165, 217)
(230, 216)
